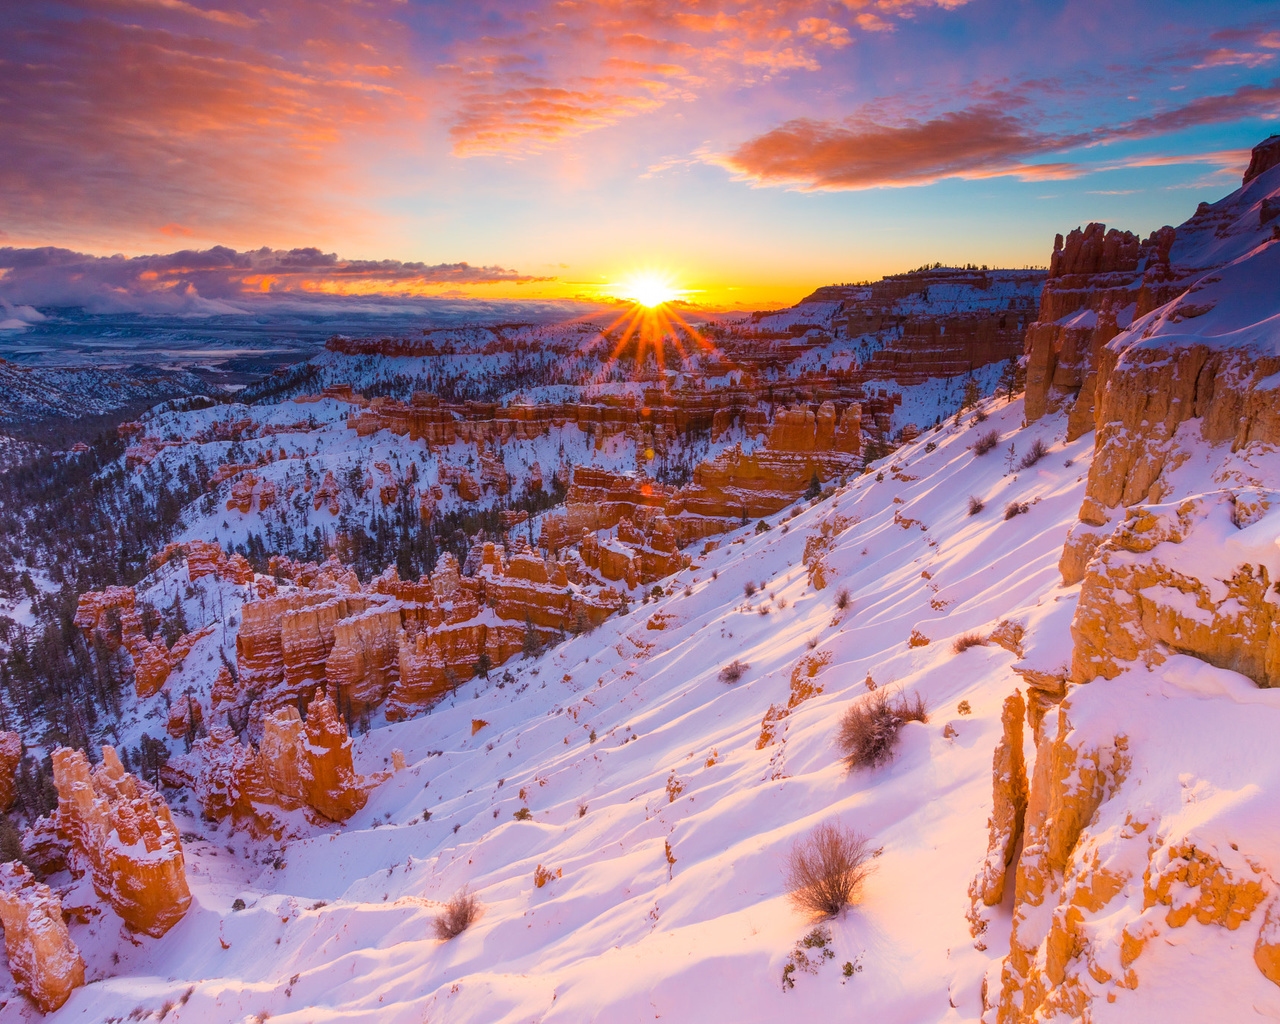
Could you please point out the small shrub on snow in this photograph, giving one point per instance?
(808, 955)
(749, 589)
(869, 728)
(733, 671)
(966, 640)
(976, 505)
(980, 416)
(826, 869)
(763, 527)
(1035, 453)
(986, 442)
(523, 814)
(963, 708)
(842, 598)
(459, 914)
(1016, 508)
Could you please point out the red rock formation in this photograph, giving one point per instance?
(10, 758)
(297, 765)
(152, 660)
(185, 716)
(1266, 155)
(801, 444)
(326, 494)
(600, 500)
(206, 558)
(328, 777)
(120, 830)
(284, 641)
(43, 959)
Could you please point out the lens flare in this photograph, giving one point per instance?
(649, 289)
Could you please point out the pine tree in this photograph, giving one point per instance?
(531, 646)
(1008, 379)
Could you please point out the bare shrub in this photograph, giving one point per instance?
(826, 869)
(976, 505)
(733, 671)
(1035, 453)
(966, 640)
(913, 708)
(986, 442)
(749, 589)
(459, 914)
(869, 728)
(842, 598)
(980, 416)
(1016, 508)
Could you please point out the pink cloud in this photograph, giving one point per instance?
(729, 45)
(977, 142)
(980, 141)
(226, 118)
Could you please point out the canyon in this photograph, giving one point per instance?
(582, 649)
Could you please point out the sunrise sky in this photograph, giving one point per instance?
(539, 149)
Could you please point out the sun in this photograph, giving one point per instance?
(649, 289)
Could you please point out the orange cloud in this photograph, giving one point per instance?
(556, 92)
(978, 142)
(205, 119)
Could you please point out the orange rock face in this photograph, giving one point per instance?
(10, 758)
(120, 830)
(402, 641)
(43, 959)
(1009, 808)
(205, 558)
(296, 765)
(112, 616)
(801, 444)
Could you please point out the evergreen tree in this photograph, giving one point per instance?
(531, 646)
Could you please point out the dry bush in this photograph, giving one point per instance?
(733, 671)
(869, 728)
(976, 505)
(826, 869)
(1037, 452)
(1016, 508)
(966, 640)
(749, 589)
(986, 442)
(459, 913)
(842, 598)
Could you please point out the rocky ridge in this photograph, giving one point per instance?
(1171, 568)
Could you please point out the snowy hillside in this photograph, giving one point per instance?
(662, 817)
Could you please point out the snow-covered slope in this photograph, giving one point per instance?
(662, 818)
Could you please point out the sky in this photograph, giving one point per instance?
(200, 154)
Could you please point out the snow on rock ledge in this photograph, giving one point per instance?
(42, 958)
(121, 829)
